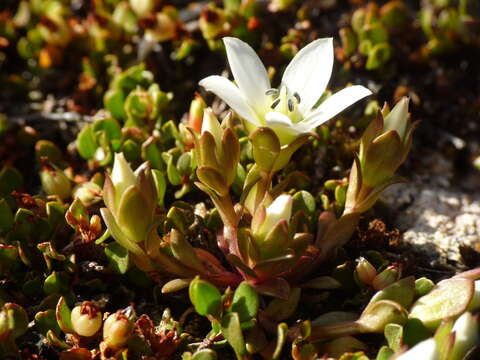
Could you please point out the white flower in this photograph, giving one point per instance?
(279, 210)
(288, 110)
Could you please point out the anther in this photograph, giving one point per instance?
(271, 92)
(290, 105)
(296, 96)
(275, 103)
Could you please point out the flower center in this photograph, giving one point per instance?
(285, 102)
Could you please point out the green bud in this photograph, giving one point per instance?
(88, 193)
(385, 145)
(86, 319)
(386, 278)
(195, 114)
(55, 182)
(365, 271)
(278, 211)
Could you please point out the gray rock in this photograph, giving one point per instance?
(433, 215)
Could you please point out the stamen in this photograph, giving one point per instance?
(271, 92)
(296, 96)
(290, 105)
(275, 103)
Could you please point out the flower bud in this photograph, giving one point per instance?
(117, 329)
(88, 193)
(279, 210)
(386, 277)
(385, 145)
(211, 125)
(195, 115)
(86, 319)
(55, 182)
(122, 176)
(131, 200)
(218, 154)
(365, 271)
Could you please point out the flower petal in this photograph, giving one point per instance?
(228, 92)
(249, 73)
(334, 105)
(309, 72)
(282, 126)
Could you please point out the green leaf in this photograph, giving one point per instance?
(414, 331)
(423, 286)
(183, 251)
(63, 316)
(394, 335)
(10, 179)
(205, 297)
(282, 330)
(86, 143)
(449, 298)
(6, 216)
(172, 173)
(114, 101)
(245, 302)
(281, 309)
(56, 283)
(151, 153)
(110, 127)
(8, 258)
(304, 201)
(118, 258)
(131, 150)
(205, 354)
(46, 148)
(46, 320)
(266, 147)
(384, 353)
(55, 213)
(160, 185)
(232, 331)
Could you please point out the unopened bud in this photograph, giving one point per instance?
(86, 319)
(365, 271)
(386, 277)
(88, 193)
(55, 182)
(195, 115)
(117, 329)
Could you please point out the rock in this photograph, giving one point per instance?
(435, 217)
